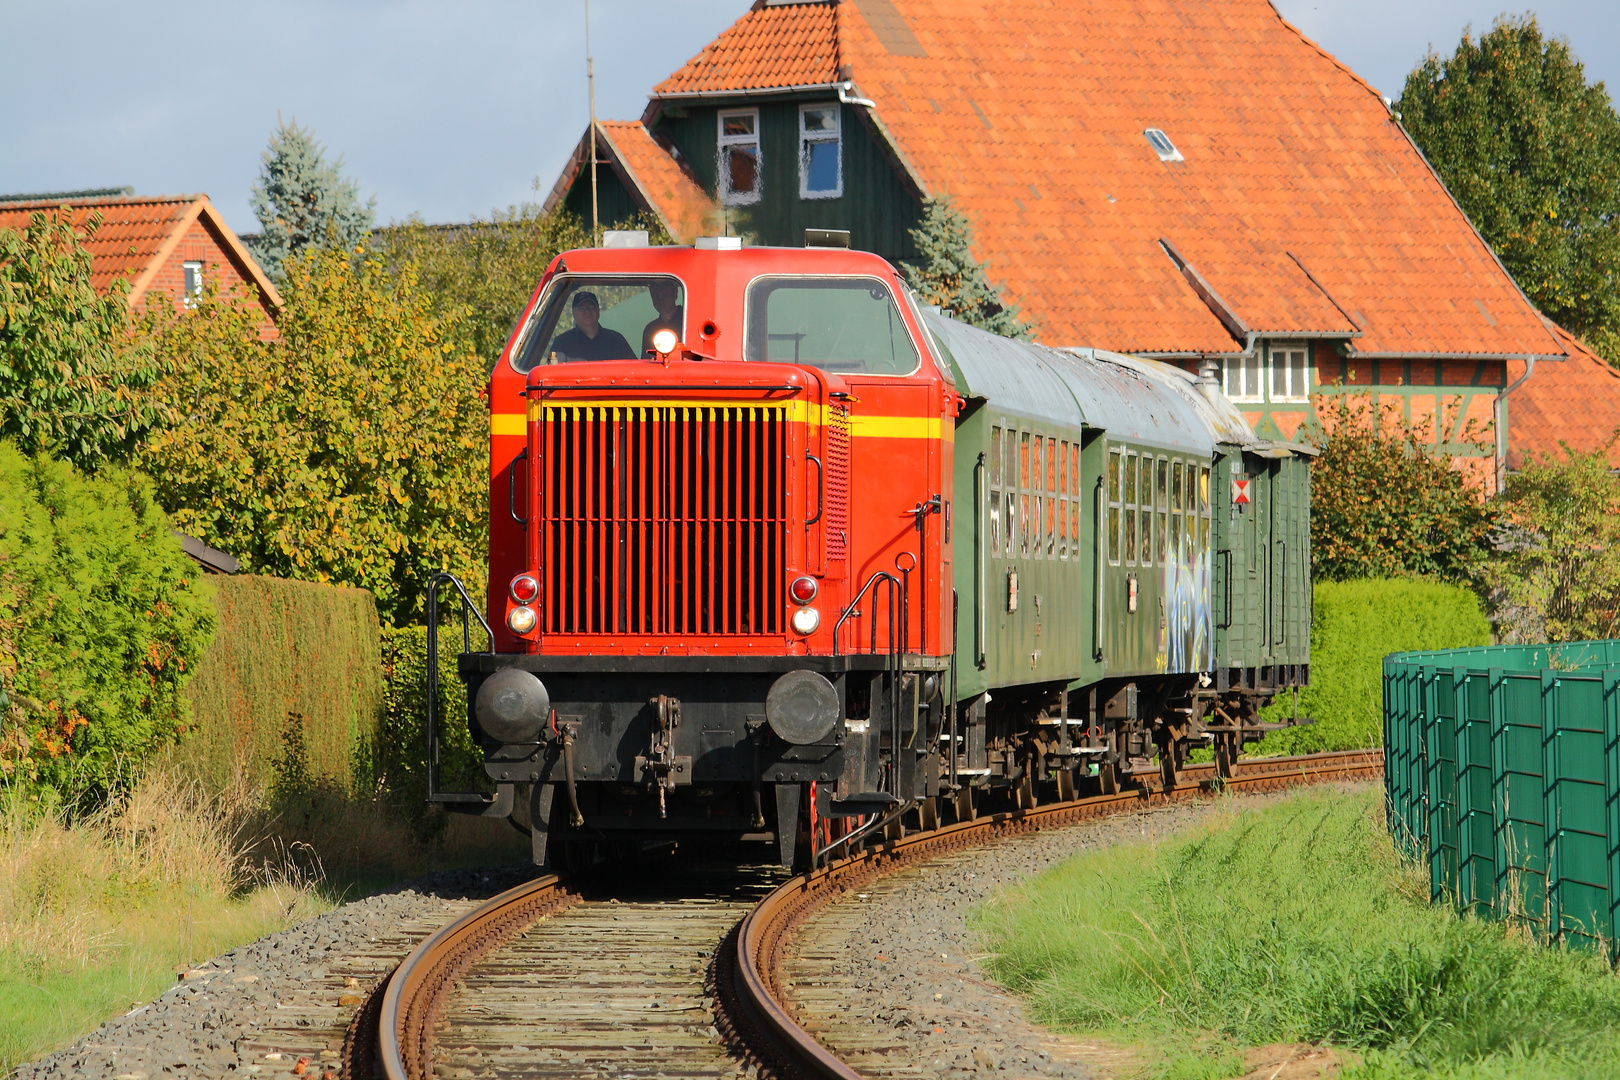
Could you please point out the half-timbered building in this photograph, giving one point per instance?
(1196, 183)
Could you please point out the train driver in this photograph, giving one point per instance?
(670, 313)
(589, 339)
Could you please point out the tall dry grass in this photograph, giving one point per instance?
(98, 911)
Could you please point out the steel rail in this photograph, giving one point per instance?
(751, 1013)
(392, 1032)
(393, 1029)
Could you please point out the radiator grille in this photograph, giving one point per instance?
(662, 520)
(837, 483)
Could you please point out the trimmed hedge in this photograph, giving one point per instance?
(1354, 625)
(102, 619)
(293, 679)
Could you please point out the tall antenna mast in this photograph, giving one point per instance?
(590, 78)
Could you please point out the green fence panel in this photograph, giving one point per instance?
(1502, 768)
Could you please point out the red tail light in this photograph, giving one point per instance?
(525, 589)
(803, 590)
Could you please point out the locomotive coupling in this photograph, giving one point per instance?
(512, 706)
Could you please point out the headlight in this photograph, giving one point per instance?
(525, 589)
(665, 341)
(805, 621)
(802, 590)
(520, 620)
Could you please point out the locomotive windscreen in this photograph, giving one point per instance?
(833, 323)
(598, 317)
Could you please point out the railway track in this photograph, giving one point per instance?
(550, 980)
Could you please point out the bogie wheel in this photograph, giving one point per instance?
(1108, 778)
(965, 810)
(928, 814)
(1065, 785)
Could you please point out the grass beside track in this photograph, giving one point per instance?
(1295, 922)
(98, 915)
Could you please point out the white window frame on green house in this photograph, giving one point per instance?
(819, 138)
(1243, 377)
(738, 141)
(1288, 370)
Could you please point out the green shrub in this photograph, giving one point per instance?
(401, 757)
(293, 664)
(102, 620)
(1354, 625)
(1296, 922)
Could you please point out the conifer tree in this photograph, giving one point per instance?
(950, 278)
(1531, 150)
(304, 201)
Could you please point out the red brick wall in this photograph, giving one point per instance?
(202, 244)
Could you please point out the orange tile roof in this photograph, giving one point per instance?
(790, 45)
(1300, 202)
(672, 194)
(1574, 401)
(137, 234)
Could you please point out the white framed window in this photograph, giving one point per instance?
(1241, 378)
(193, 281)
(821, 152)
(739, 157)
(1289, 362)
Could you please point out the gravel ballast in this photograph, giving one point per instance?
(888, 976)
(280, 1005)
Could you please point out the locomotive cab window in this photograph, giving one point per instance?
(598, 317)
(844, 324)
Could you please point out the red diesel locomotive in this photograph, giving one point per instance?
(722, 597)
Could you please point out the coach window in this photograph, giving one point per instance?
(1009, 497)
(1130, 508)
(1063, 500)
(1116, 484)
(1290, 375)
(1052, 496)
(1038, 484)
(1203, 508)
(1175, 513)
(821, 173)
(1146, 515)
(739, 164)
(1190, 522)
(994, 474)
(1074, 497)
(1161, 500)
(1023, 493)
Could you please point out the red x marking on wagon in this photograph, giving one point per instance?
(1240, 492)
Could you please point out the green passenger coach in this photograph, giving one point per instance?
(1133, 574)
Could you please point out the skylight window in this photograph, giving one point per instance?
(1162, 145)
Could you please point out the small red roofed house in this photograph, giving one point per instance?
(1196, 183)
(163, 245)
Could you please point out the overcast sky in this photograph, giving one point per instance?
(450, 110)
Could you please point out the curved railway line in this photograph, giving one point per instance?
(634, 979)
